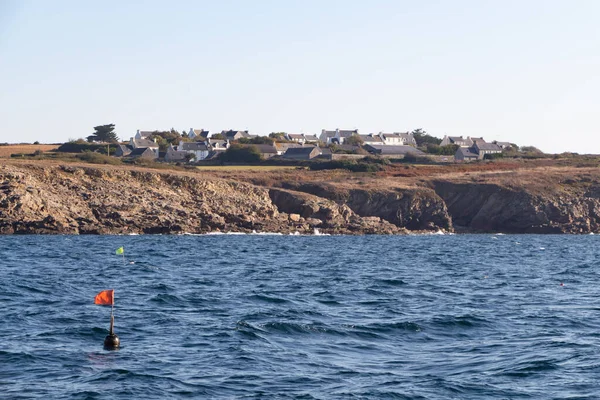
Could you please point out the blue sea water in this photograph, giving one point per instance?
(311, 317)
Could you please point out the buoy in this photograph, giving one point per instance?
(112, 341)
(107, 298)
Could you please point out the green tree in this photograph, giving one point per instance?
(257, 140)
(277, 135)
(241, 154)
(217, 136)
(423, 138)
(354, 140)
(104, 133)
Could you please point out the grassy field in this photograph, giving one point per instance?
(6, 151)
(246, 167)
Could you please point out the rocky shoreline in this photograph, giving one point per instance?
(82, 199)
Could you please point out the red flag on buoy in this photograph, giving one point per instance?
(105, 298)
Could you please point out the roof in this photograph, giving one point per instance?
(265, 148)
(217, 142)
(303, 152)
(371, 138)
(487, 146)
(284, 146)
(139, 151)
(295, 136)
(390, 150)
(477, 140)
(192, 146)
(466, 153)
(328, 133)
(312, 138)
(347, 133)
(141, 143)
(503, 143)
(145, 134)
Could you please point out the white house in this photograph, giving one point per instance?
(338, 136)
(198, 149)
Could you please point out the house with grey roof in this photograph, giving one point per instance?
(301, 138)
(393, 151)
(136, 143)
(173, 155)
(217, 144)
(282, 147)
(465, 154)
(143, 152)
(503, 145)
(198, 134)
(326, 136)
(302, 153)
(372, 138)
(232, 135)
(483, 148)
(199, 149)
(457, 140)
(123, 150)
(338, 136)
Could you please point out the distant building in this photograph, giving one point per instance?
(302, 153)
(143, 152)
(391, 151)
(457, 140)
(301, 138)
(465, 154)
(123, 150)
(143, 134)
(338, 136)
(503, 145)
(197, 134)
(232, 135)
(173, 155)
(198, 149)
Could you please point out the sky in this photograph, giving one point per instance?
(526, 72)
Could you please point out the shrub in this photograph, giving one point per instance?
(97, 158)
(351, 165)
(81, 146)
(241, 154)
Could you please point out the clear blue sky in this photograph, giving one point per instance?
(521, 71)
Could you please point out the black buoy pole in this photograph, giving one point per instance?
(112, 341)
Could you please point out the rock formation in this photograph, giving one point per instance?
(82, 199)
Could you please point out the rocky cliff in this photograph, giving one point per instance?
(104, 200)
(81, 199)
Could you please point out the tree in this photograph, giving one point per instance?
(447, 150)
(423, 138)
(189, 157)
(354, 140)
(104, 133)
(217, 136)
(256, 140)
(277, 135)
(239, 153)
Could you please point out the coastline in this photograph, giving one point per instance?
(59, 198)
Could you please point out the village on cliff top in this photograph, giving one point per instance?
(198, 145)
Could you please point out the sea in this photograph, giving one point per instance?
(301, 317)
